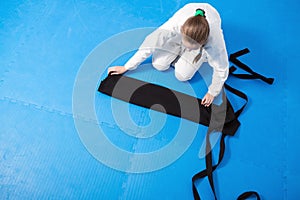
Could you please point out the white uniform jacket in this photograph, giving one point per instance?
(168, 37)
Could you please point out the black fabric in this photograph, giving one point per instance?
(147, 94)
(185, 106)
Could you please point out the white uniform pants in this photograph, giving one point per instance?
(182, 60)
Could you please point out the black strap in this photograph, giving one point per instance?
(208, 158)
(246, 195)
(252, 75)
(239, 94)
(209, 168)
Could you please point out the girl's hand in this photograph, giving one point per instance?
(207, 100)
(116, 70)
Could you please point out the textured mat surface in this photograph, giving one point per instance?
(42, 47)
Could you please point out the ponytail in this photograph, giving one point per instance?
(197, 58)
(196, 30)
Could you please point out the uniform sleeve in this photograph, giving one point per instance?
(153, 41)
(218, 59)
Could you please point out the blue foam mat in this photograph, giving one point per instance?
(44, 43)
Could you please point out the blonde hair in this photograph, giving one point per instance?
(196, 30)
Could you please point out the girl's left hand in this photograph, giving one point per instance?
(207, 100)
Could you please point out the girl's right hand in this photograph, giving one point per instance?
(116, 70)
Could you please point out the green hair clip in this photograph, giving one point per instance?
(200, 12)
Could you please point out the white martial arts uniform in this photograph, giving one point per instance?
(165, 44)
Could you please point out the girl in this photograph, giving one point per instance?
(193, 35)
